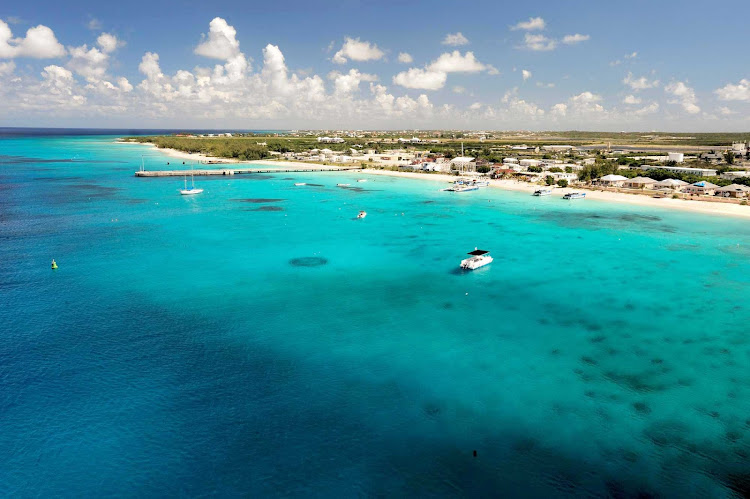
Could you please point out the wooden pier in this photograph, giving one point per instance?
(233, 171)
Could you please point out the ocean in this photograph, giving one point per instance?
(258, 340)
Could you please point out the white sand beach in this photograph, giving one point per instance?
(696, 206)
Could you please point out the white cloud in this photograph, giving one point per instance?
(39, 43)
(650, 109)
(455, 39)
(347, 83)
(89, 63)
(684, 96)
(526, 74)
(641, 83)
(459, 90)
(632, 100)
(475, 106)
(405, 58)
(632, 55)
(454, 62)
(424, 79)
(573, 39)
(538, 43)
(109, 43)
(560, 109)
(357, 50)
(725, 111)
(534, 23)
(492, 70)
(7, 68)
(94, 24)
(738, 92)
(221, 41)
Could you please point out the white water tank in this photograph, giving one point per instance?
(677, 157)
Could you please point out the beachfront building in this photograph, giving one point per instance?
(568, 177)
(702, 188)
(639, 183)
(612, 180)
(671, 183)
(733, 191)
(701, 172)
(464, 164)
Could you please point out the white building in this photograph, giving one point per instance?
(734, 175)
(702, 172)
(527, 162)
(677, 157)
(463, 163)
(330, 140)
(570, 177)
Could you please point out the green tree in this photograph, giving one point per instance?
(729, 157)
(562, 182)
(550, 180)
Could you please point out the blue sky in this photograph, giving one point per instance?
(507, 65)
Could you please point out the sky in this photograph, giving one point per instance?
(545, 65)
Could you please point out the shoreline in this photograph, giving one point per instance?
(688, 205)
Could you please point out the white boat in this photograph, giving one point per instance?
(361, 180)
(462, 188)
(543, 192)
(300, 183)
(343, 185)
(362, 214)
(192, 190)
(575, 195)
(479, 258)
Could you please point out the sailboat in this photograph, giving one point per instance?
(192, 190)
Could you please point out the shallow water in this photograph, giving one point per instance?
(257, 339)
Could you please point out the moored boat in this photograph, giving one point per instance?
(362, 214)
(542, 192)
(343, 185)
(479, 258)
(575, 195)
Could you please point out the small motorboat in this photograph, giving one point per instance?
(300, 183)
(361, 180)
(362, 214)
(543, 192)
(343, 185)
(479, 258)
(575, 195)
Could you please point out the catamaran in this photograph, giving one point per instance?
(192, 190)
(479, 258)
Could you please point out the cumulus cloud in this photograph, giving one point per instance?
(649, 109)
(221, 41)
(108, 43)
(405, 58)
(534, 23)
(526, 74)
(455, 39)
(89, 63)
(39, 43)
(738, 92)
(641, 83)
(357, 50)
(538, 43)
(434, 75)
(454, 62)
(573, 39)
(347, 83)
(631, 100)
(560, 109)
(684, 96)
(424, 79)
(7, 68)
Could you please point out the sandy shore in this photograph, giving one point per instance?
(186, 156)
(724, 209)
(694, 206)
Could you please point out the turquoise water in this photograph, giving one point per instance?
(258, 340)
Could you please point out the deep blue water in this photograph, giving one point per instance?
(257, 340)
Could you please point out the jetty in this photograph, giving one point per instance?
(233, 171)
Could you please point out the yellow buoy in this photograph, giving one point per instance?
(54, 265)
